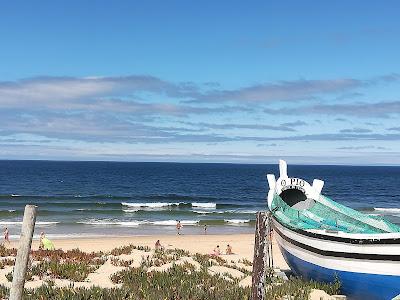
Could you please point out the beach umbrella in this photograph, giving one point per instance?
(47, 244)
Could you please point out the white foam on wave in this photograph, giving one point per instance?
(136, 223)
(203, 212)
(132, 210)
(247, 211)
(151, 204)
(204, 205)
(61, 236)
(20, 223)
(46, 223)
(173, 222)
(111, 223)
(238, 211)
(237, 221)
(395, 210)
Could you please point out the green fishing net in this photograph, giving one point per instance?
(330, 215)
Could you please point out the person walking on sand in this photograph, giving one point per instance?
(179, 227)
(229, 249)
(6, 235)
(205, 228)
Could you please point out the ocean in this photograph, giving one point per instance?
(77, 199)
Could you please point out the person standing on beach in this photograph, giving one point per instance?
(179, 227)
(205, 228)
(41, 240)
(229, 249)
(157, 246)
(6, 235)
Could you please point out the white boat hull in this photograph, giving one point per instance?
(366, 271)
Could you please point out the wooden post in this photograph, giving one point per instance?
(21, 261)
(260, 254)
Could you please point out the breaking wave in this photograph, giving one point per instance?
(151, 204)
(20, 223)
(237, 221)
(393, 210)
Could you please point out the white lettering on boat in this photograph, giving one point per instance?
(293, 183)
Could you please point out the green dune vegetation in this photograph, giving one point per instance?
(135, 272)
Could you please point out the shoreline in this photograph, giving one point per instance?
(60, 232)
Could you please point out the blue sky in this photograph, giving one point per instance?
(207, 81)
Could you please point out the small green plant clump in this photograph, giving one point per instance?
(243, 270)
(180, 282)
(120, 262)
(123, 250)
(75, 271)
(142, 248)
(49, 292)
(206, 260)
(74, 255)
(246, 262)
(6, 262)
(300, 289)
(162, 257)
(7, 252)
(128, 249)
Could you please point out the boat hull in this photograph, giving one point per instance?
(354, 285)
(356, 276)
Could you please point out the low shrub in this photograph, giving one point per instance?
(72, 271)
(120, 262)
(6, 262)
(7, 251)
(298, 288)
(180, 282)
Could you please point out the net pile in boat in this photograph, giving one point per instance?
(328, 214)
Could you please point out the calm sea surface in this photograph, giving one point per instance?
(98, 198)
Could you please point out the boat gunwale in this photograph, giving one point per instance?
(352, 255)
(348, 240)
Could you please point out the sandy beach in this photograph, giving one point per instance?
(243, 244)
(234, 265)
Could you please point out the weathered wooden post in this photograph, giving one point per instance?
(21, 261)
(269, 241)
(260, 254)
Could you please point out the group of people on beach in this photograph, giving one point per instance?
(44, 242)
(217, 251)
(179, 227)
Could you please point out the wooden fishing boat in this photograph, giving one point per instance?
(321, 239)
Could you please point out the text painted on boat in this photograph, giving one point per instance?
(293, 182)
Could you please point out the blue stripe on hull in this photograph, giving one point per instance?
(358, 286)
